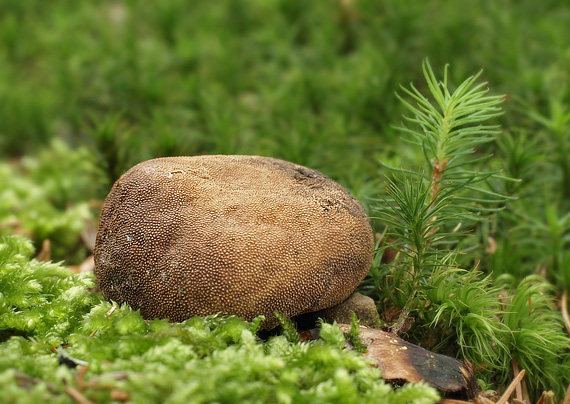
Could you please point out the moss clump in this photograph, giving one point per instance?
(46, 197)
(202, 360)
(39, 299)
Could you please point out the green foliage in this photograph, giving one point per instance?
(495, 325)
(67, 176)
(201, 360)
(46, 197)
(331, 334)
(423, 214)
(39, 299)
(310, 82)
(427, 210)
(289, 330)
(556, 121)
(451, 128)
(467, 303)
(412, 221)
(538, 340)
(354, 334)
(281, 78)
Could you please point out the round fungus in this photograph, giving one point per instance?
(243, 235)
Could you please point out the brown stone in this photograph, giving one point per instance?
(243, 235)
(363, 306)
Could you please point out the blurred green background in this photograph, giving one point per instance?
(89, 88)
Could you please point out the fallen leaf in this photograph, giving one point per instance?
(401, 360)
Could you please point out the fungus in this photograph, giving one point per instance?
(242, 235)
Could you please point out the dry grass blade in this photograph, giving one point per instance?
(518, 387)
(547, 397)
(504, 398)
(26, 382)
(567, 397)
(120, 395)
(81, 373)
(77, 396)
(565, 313)
(95, 382)
(45, 253)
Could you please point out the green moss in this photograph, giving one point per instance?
(202, 360)
(39, 299)
(47, 196)
(354, 334)
(97, 86)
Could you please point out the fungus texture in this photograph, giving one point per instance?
(243, 235)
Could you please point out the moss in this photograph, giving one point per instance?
(40, 299)
(201, 360)
(46, 196)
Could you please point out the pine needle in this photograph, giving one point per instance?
(514, 384)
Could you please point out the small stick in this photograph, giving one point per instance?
(511, 388)
(77, 396)
(526, 396)
(565, 312)
(452, 401)
(518, 387)
(120, 395)
(25, 381)
(112, 310)
(80, 375)
(94, 382)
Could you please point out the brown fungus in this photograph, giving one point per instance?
(243, 235)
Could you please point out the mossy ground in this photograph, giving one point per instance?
(88, 88)
(105, 352)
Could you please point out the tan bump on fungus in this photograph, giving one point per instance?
(243, 235)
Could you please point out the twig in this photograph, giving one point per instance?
(565, 312)
(77, 396)
(94, 382)
(25, 382)
(485, 400)
(120, 395)
(518, 387)
(511, 388)
(79, 376)
(452, 401)
(112, 310)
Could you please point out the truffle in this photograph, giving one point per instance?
(242, 235)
